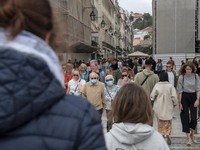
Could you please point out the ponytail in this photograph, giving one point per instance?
(11, 17)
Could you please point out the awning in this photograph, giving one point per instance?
(83, 48)
(138, 54)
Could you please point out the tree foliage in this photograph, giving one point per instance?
(147, 50)
(146, 37)
(143, 23)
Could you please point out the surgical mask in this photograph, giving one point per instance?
(109, 83)
(93, 81)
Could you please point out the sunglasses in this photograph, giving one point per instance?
(76, 75)
(108, 80)
(124, 75)
(93, 78)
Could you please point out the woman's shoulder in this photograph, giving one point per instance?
(82, 81)
(116, 87)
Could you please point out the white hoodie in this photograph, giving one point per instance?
(142, 136)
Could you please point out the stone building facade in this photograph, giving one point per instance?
(86, 39)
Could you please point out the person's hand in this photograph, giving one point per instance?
(196, 103)
(180, 107)
(125, 79)
(66, 83)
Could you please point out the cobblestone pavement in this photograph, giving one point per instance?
(178, 138)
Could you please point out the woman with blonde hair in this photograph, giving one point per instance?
(83, 72)
(132, 115)
(76, 84)
(110, 91)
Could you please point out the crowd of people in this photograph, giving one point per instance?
(165, 89)
(40, 108)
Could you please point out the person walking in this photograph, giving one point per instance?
(110, 91)
(84, 74)
(147, 78)
(165, 99)
(124, 79)
(188, 89)
(159, 67)
(95, 68)
(93, 91)
(132, 114)
(171, 74)
(76, 84)
(36, 113)
(68, 75)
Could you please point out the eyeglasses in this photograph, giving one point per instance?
(124, 75)
(76, 75)
(109, 80)
(93, 78)
(168, 66)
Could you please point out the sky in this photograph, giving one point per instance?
(143, 6)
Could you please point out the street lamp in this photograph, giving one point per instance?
(103, 23)
(110, 29)
(92, 16)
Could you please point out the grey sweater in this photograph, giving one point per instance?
(142, 136)
(188, 83)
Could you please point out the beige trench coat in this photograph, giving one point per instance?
(165, 99)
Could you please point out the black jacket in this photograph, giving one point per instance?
(35, 112)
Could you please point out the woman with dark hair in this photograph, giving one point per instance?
(124, 78)
(131, 114)
(164, 97)
(35, 112)
(188, 89)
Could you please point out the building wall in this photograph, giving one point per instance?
(76, 26)
(174, 26)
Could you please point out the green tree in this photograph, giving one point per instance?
(146, 37)
(143, 23)
(147, 20)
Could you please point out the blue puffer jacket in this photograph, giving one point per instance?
(35, 112)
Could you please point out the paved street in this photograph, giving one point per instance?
(178, 138)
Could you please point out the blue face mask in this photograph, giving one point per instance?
(93, 81)
(109, 83)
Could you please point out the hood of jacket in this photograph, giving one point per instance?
(128, 133)
(147, 72)
(31, 80)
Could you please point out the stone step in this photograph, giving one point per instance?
(179, 143)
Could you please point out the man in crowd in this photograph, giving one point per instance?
(147, 78)
(94, 92)
(171, 74)
(94, 66)
(172, 63)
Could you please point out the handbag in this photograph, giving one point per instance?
(75, 88)
(109, 94)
